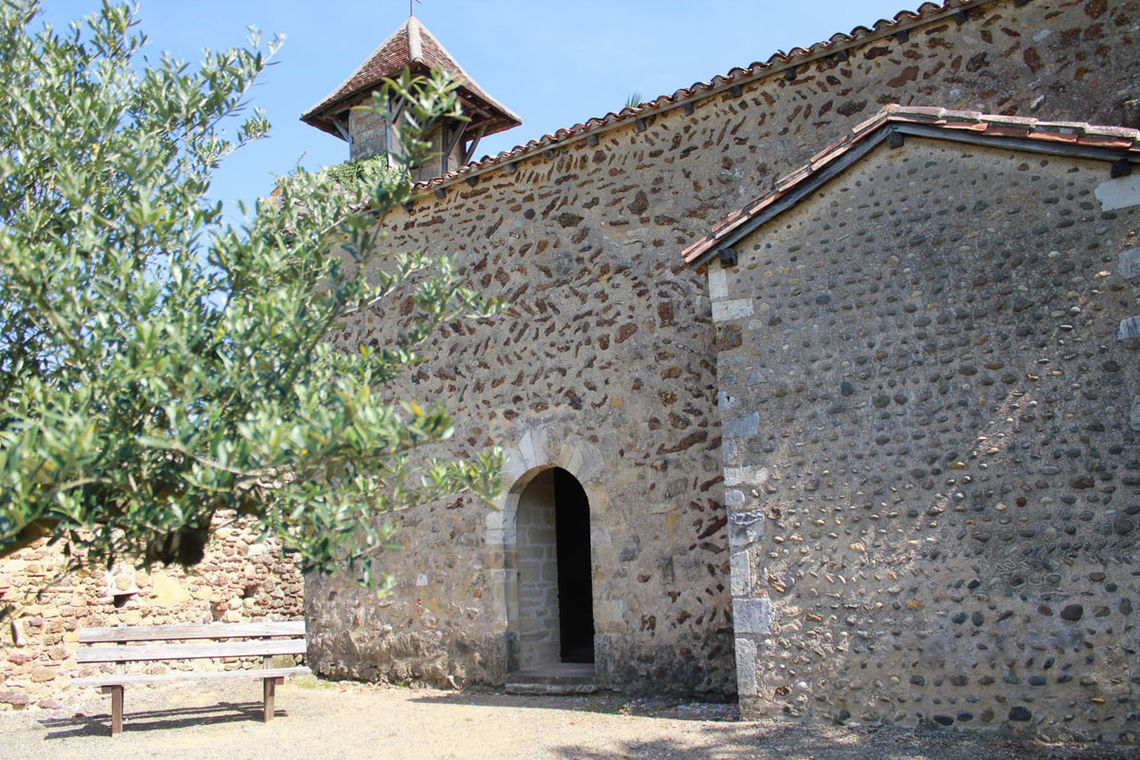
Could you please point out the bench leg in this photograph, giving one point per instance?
(116, 708)
(269, 692)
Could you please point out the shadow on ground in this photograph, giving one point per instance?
(723, 736)
(155, 720)
(806, 742)
(603, 703)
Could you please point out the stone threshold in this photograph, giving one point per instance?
(562, 678)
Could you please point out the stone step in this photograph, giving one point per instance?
(568, 679)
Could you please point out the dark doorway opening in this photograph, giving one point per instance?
(575, 589)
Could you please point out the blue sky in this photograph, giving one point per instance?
(553, 63)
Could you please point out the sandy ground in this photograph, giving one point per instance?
(330, 721)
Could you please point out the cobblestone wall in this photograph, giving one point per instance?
(607, 368)
(239, 580)
(932, 475)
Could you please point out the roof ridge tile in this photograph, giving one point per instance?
(838, 41)
(996, 125)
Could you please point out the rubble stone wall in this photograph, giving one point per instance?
(932, 477)
(607, 366)
(239, 580)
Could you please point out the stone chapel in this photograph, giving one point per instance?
(819, 390)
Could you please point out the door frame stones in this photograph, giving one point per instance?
(540, 449)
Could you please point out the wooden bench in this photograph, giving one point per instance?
(212, 641)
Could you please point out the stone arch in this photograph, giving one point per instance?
(530, 471)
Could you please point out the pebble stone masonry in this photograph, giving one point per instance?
(916, 502)
(930, 467)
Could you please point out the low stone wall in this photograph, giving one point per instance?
(239, 580)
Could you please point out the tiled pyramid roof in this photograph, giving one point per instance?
(413, 47)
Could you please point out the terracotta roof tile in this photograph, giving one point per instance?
(926, 13)
(1059, 137)
(413, 47)
(921, 113)
(1015, 121)
(869, 124)
(1072, 133)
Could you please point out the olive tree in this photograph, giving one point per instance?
(160, 366)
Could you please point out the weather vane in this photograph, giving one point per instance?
(412, 7)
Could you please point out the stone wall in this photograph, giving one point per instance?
(371, 136)
(239, 580)
(538, 630)
(933, 481)
(369, 132)
(606, 368)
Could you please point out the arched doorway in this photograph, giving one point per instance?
(555, 612)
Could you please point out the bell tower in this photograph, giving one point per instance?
(414, 48)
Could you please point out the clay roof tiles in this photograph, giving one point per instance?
(411, 46)
(934, 119)
(836, 44)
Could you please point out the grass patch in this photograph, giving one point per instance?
(311, 682)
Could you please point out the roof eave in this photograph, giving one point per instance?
(776, 64)
(1073, 139)
(501, 116)
(774, 203)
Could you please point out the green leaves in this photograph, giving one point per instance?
(158, 366)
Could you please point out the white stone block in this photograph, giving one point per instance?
(718, 283)
(735, 476)
(745, 528)
(598, 497)
(752, 615)
(1129, 328)
(570, 459)
(513, 466)
(1130, 263)
(744, 425)
(494, 520)
(740, 570)
(746, 667)
(527, 449)
(737, 308)
(592, 464)
(1121, 192)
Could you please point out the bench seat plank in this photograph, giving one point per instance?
(164, 643)
(118, 679)
(127, 634)
(262, 648)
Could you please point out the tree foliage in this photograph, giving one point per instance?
(158, 365)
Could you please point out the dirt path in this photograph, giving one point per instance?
(334, 721)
